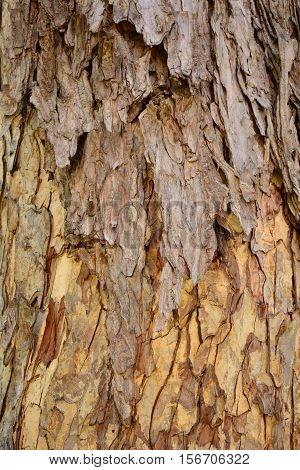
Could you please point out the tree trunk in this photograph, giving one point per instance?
(149, 210)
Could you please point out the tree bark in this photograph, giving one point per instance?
(149, 212)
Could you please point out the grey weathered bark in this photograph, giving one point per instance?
(149, 208)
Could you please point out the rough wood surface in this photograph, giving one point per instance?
(149, 210)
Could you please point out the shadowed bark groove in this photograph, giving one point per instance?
(149, 209)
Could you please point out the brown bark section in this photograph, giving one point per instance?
(149, 212)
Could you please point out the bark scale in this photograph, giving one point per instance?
(149, 213)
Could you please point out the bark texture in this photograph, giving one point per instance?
(149, 210)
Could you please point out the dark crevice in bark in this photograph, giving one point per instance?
(77, 159)
(222, 237)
